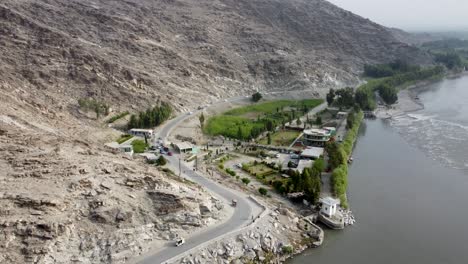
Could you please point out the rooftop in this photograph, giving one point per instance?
(183, 145)
(317, 131)
(141, 130)
(329, 201)
(312, 152)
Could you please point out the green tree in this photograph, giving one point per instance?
(201, 118)
(345, 97)
(298, 122)
(263, 191)
(269, 138)
(388, 93)
(239, 133)
(161, 161)
(246, 181)
(331, 96)
(256, 97)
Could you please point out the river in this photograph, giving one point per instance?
(408, 187)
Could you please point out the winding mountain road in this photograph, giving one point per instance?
(243, 211)
(241, 217)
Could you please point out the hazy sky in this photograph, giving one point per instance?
(411, 14)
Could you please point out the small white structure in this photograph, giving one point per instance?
(141, 132)
(127, 149)
(342, 115)
(329, 206)
(183, 147)
(312, 153)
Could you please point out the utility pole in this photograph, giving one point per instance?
(180, 169)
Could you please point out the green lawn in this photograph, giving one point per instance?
(139, 146)
(250, 121)
(281, 138)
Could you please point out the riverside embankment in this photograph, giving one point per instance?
(407, 185)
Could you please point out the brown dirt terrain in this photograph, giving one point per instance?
(63, 196)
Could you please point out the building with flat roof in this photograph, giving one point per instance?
(316, 137)
(141, 132)
(183, 147)
(329, 206)
(312, 153)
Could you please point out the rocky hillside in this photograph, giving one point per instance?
(63, 196)
(134, 51)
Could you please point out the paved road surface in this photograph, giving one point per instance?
(243, 211)
(241, 217)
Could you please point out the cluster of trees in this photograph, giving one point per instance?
(338, 157)
(151, 117)
(248, 131)
(451, 60)
(365, 96)
(94, 105)
(389, 69)
(256, 97)
(308, 181)
(388, 93)
(342, 97)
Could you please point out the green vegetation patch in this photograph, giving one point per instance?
(281, 138)
(124, 138)
(338, 159)
(259, 170)
(139, 146)
(250, 121)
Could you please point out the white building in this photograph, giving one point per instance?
(141, 132)
(316, 137)
(329, 206)
(127, 149)
(183, 147)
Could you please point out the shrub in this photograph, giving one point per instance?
(246, 181)
(256, 97)
(161, 161)
(287, 249)
(230, 172)
(263, 191)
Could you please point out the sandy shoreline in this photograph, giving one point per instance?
(408, 100)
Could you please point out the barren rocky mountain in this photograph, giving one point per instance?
(136, 50)
(63, 196)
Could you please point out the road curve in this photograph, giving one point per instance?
(241, 217)
(242, 214)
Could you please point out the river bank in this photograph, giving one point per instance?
(408, 99)
(404, 193)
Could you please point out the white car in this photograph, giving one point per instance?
(179, 242)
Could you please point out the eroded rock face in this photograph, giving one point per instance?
(165, 203)
(86, 208)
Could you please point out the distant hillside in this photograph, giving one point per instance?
(186, 51)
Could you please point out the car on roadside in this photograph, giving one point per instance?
(179, 242)
(169, 153)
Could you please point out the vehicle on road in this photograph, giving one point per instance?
(239, 165)
(234, 202)
(180, 242)
(169, 153)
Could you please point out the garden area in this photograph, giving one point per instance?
(249, 122)
(281, 138)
